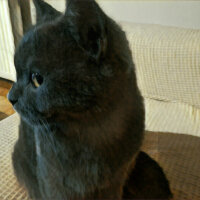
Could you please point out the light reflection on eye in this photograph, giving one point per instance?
(36, 79)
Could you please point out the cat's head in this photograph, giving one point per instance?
(68, 63)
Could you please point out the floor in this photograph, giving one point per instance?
(5, 107)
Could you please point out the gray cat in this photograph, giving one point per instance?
(82, 115)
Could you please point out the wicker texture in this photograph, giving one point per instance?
(9, 188)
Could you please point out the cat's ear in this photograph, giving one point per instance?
(45, 12)
(86, 23)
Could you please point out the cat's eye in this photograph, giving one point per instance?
(36, 79)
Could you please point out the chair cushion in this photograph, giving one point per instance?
(179, 156)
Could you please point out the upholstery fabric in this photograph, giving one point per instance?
(167, 63)
(176, 117)
(178, 155)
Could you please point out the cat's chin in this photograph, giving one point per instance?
(30, 120)
(31, 117)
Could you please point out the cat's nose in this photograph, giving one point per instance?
(13, 101)
(14, 93)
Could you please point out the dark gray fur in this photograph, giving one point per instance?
(82, 129)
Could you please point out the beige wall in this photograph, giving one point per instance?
(166, 12)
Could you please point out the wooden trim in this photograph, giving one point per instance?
(20, 15)
(16, 20)
(5, 83)
(26, 14)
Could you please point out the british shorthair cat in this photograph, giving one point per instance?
(82, 115)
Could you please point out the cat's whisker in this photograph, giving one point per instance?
(55, 147)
